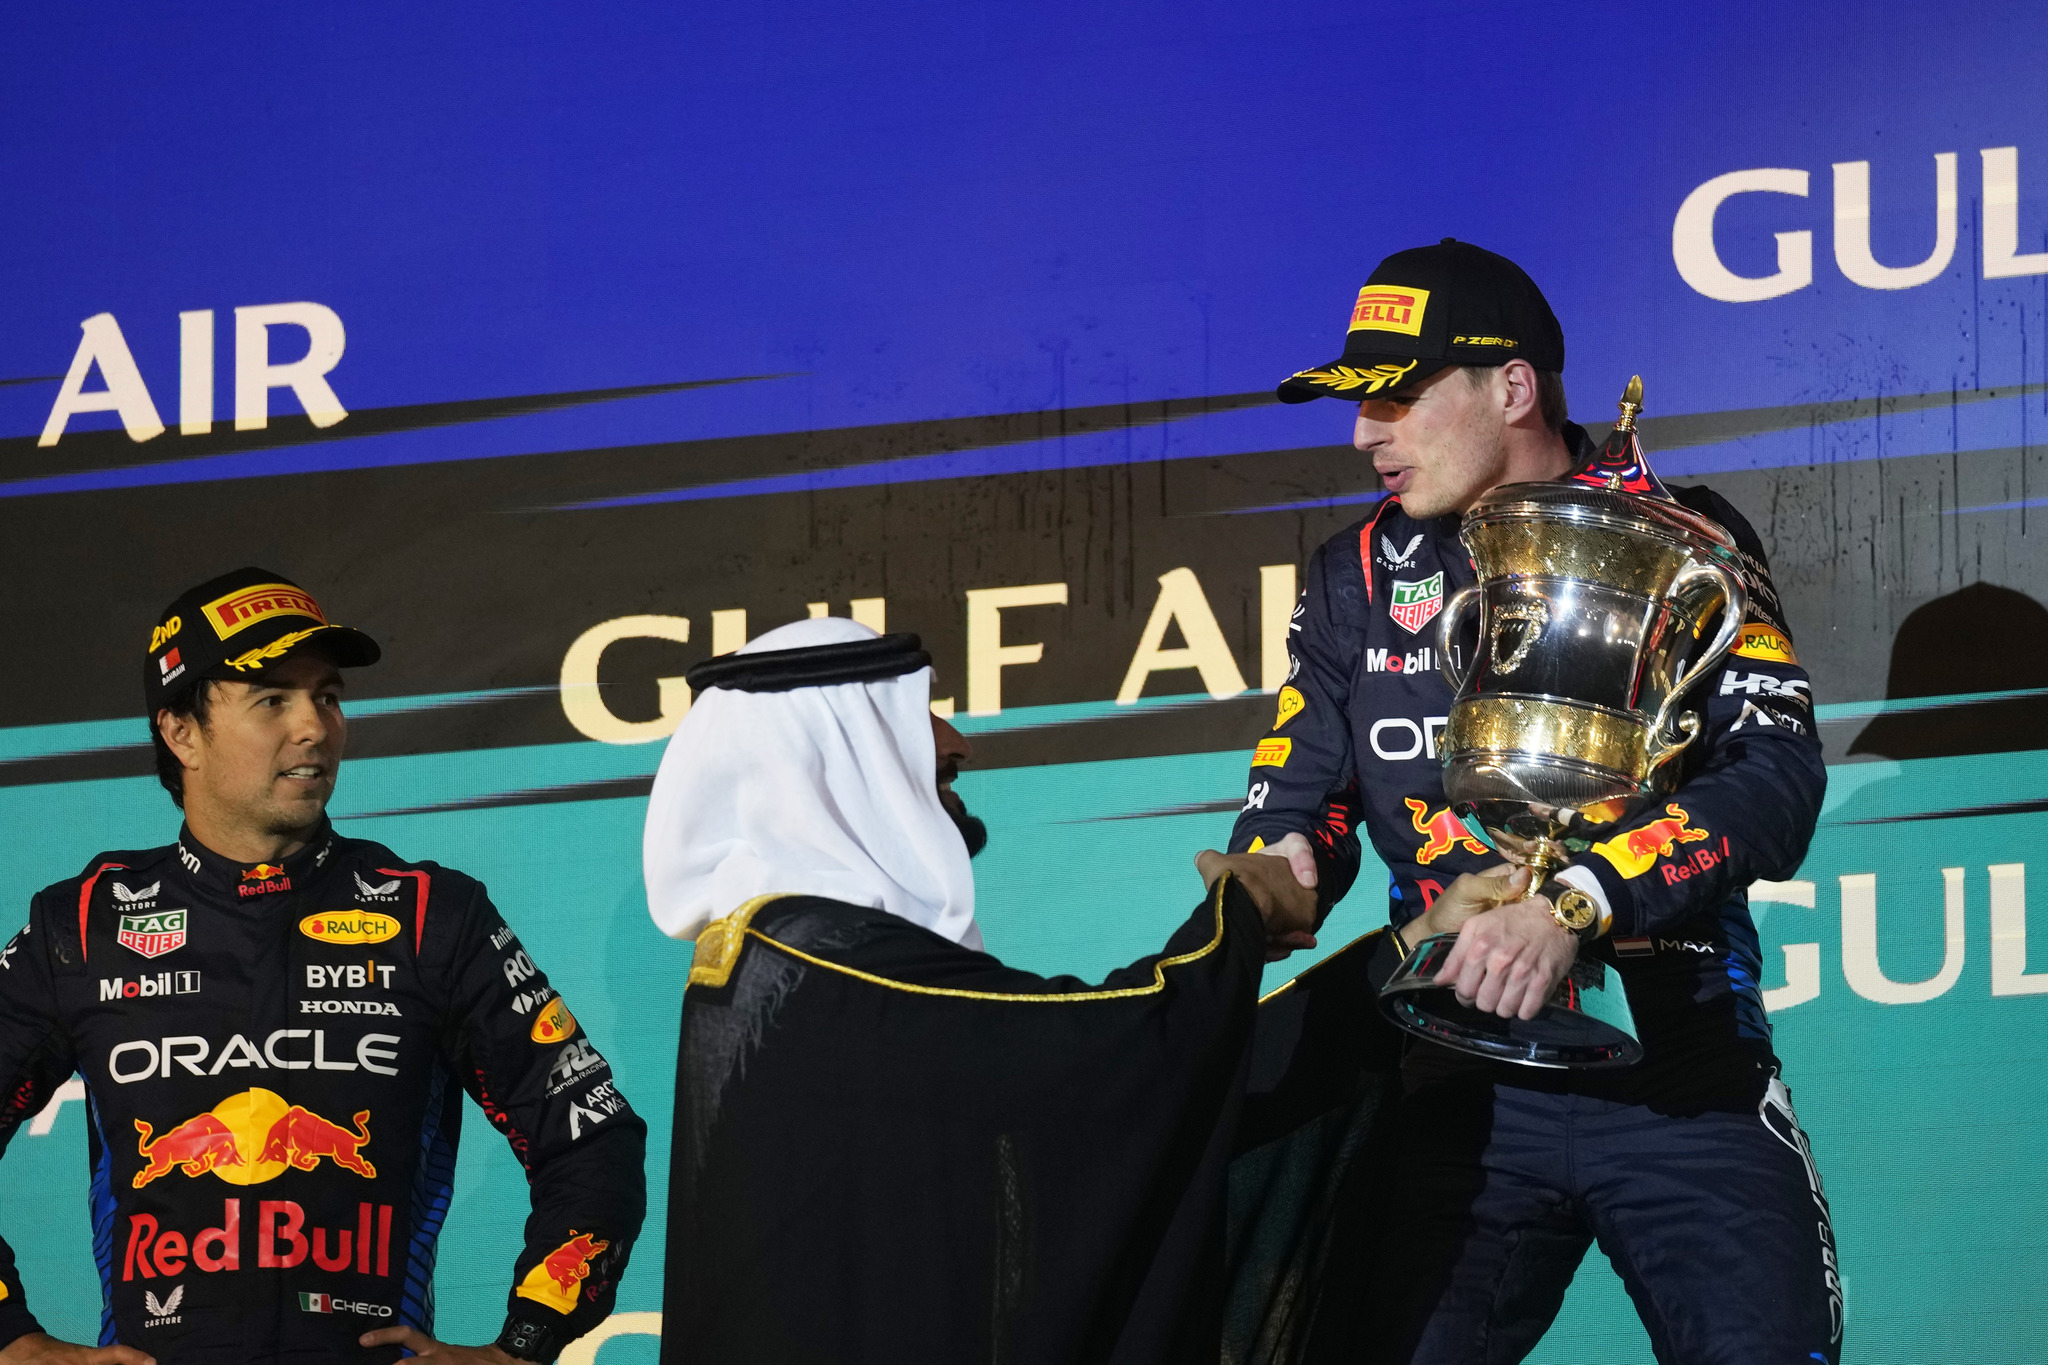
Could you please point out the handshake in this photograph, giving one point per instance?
(1510, 955)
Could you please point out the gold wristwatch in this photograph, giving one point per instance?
(1572, 908)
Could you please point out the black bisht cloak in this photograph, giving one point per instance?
(890, 1148)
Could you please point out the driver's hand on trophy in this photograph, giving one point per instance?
(1509, 959)
(1471, 894)
(1284, 903)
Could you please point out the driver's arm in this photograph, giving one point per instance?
(543, 1084)
(35, 1058)
(1748, 809)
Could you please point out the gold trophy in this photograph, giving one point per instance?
(1593, 595)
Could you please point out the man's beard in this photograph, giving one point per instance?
(972, 830)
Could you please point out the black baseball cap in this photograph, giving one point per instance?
(1428, 309)
(238, 625)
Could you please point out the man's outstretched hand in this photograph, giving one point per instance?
(426, 1348)
(39, 1348)
(1510, 953)
(1284, 901)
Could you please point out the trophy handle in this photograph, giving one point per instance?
(1735, 606)
(1446, 634)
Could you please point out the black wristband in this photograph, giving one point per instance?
(525, 1339)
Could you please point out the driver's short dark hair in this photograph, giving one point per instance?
(1549, 392)
(191, 701)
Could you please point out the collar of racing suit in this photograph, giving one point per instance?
(239, 880)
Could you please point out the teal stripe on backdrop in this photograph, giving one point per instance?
(1927, 1118)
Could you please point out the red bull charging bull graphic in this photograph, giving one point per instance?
(1440, 833)
(198, 1144)
(557, 1280)
(1633, 852)
(252, 1137)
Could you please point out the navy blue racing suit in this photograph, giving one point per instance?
(1355, 739)
(274, 1058)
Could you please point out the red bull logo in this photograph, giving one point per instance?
(263, 879)
(302, 1137)
(1633, 852)
(1440, 833)
(250, 1138)
(284, 1240)
(557, 1280)
(198, 1145)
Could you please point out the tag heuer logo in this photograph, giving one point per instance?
(153, 934)
(1416, 604)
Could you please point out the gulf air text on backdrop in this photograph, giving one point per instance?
(1860, 940)
(1181, 604)
(1700, 264)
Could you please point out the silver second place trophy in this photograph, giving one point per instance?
(1591, 603)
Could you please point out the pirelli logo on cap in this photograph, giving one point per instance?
(245, 606)
(1762, 642)
(1386, 308)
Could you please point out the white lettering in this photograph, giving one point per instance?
(518, 967)
(1852, 227)
(1802, 960)
(1859, 942)
(581, 701)
(124, 393)
(195, 1049)
(1414, 732)
(320, 1062)
(987, 655)
(195, 372)
(1699, 263)
(284, 1063)
(1421, 739)
(2002, 256)
(255, 376)
(371, 1050)
(2009, 974)
(147, 1049)
(238, 1053)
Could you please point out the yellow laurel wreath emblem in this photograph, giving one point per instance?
(1345, 378)
(276, 649)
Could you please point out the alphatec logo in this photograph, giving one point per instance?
(1699, 260)
(103, 347)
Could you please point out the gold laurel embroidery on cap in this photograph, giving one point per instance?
(275, 649)
(1344, 378)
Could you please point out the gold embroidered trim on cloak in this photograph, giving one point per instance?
(1057, 998)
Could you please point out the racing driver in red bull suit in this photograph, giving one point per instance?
(275, 1025)
(1688, 1168)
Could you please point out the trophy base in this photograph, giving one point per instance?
(1584, 1025)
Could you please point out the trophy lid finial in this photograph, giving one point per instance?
(1631, 404)
(1620, 467)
